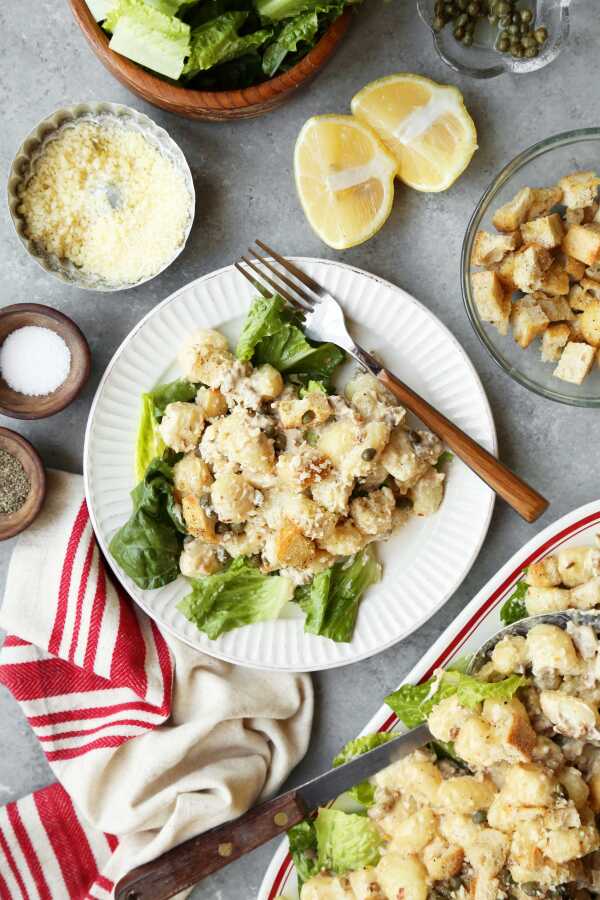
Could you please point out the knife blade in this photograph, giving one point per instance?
(186, 864)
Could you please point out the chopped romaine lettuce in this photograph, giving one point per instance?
(271, 335)
(219, 41)
(443, 459)
(301, 28)
(346, 841)
(312, 387)
(363, 793)
(303, 848)
(149, 444)
(277, 10)
(332, 599)
(412, 703)
(101, 8)
(148, 546)
(514, 608)
(238, 596)
(149, 36)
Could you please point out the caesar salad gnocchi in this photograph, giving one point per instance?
(503, 805)
(260, 484)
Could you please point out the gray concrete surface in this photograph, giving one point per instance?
(245, 189)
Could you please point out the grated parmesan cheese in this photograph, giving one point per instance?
(103, 197)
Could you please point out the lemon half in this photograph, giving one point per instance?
(345, 179)
(425, 125)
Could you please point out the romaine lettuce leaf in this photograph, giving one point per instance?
(148, 546)
(149, 35)
(301, 28)
(101, 8)
(303, 848)
(219, 41)
(238, 596)
(277, 10)
(363, 793)
(149, 444)
(514, 608)
(346, 841)
(266, 316)
(412, 703)
(332, 599)
(312, 387)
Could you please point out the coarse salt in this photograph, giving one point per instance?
(34, 361)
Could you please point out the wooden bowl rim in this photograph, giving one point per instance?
(226, 102)
(63, 397)
(14, 523)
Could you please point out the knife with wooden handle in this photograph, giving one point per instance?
(198, 857)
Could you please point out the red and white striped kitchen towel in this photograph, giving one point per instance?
(151, 742)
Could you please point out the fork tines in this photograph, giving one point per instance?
(290, 290)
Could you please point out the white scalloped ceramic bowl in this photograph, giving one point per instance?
(32, 147)
(423, 563)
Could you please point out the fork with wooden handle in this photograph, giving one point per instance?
(323, 320)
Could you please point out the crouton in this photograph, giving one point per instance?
(578, 298)
(590, 324)
(199, 523)
(530, 264)
(592, 272)
(575, 362)
(528, 320)
(579, 189)
(505, 272)
(554, 339)
(574, 268)
(543, 200)
(513, 213)
(292, 547)
(556, 308)
(574, 217)
(583, 242)
(490, 299)
(576, 332)
(547, 231)
(555, 280)
(492, 248)
(590, 286)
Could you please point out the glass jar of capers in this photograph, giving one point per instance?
(517, 33)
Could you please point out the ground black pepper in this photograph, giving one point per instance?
(14, 483)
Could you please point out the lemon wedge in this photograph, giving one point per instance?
(345, 179)
(425, 125)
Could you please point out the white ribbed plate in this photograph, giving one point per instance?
(476, 624)
(423, 563)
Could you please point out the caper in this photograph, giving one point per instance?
(531, 52)
(528, 41)
(504, 22)
(311, 437)
(473, 8)
(462, 20)
(438, 23)
(541, 35)
(462, 4)
(531, 888)
(493, 19)
(280, 441)
(518, 52)
(459, 33)
(467, 40)
(504, 35)
(221, 528)
(525, 29)
(479, 817)
(439, 8)
(515, 19)
(308, 417)
(450, 9)
(526, 16)
(513, 29)
(369, 454)
(502, 8)
(503, 45)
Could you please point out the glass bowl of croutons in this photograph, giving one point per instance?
(531, 268)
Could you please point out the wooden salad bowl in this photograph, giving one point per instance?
(213, 106)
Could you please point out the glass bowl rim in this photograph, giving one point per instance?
(564, 138)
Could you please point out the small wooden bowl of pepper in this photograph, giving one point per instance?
(22, 483)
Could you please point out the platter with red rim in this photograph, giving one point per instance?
(478, 621)
(423, 563)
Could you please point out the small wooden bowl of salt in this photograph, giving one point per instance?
(44, 361)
